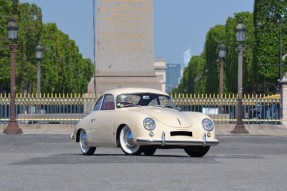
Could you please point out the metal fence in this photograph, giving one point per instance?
(48, 109)
(257, 109)
(69, 109)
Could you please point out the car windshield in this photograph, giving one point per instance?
(144, 99)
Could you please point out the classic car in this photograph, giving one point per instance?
(142, 120)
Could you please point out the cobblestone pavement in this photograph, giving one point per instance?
(53, 162)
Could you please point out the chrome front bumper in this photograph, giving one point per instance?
(164, 142)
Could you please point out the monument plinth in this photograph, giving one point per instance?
(124, 45)
(283, 105)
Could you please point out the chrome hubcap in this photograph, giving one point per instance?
(129, 139)
(84, 142)
(126, 141)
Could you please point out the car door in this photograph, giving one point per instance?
(102, 122)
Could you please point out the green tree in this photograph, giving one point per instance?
(85, 72)
(231, 61)
(5, 10)
(63, 68)
(213, 38)
(202, 73)
(30, 25)
(198, 74)
(194, 77)
(269, 17)
(204, 70)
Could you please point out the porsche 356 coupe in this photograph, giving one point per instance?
(142, 120)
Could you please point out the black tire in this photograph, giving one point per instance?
(197, 151)
(127, 144)
(149, 151)
(84, 145)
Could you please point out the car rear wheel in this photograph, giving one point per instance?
(84, 145)
(197, 151)
(149, 151)
(127, 143)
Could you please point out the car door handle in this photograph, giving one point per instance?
(93, 120)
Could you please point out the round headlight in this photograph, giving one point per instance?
(149, 124)
(207, 124)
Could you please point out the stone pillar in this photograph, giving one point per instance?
(283, 105)
(124, 45)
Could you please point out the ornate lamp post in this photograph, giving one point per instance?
(281, 52)
(12, 127)
(39, 55)
(221, 55)
(240, 37)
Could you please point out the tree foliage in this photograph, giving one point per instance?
(5, 10)
(198, 74)
(213, 38)
(64, 70)
(63, 66)
(269, 19)
(29, 32)
(203, 77)
(266, 29)
(194, 77)
(231, 63)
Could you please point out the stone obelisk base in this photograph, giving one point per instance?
(105, 83)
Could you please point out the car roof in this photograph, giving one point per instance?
(120, 91)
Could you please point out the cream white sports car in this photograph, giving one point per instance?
(142, 120)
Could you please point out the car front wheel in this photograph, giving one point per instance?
(127, 143)
(149, 151)
(84, 145)
(197, 151)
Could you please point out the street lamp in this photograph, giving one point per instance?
(12, 127)
(240, 37)
(39, 55)
(221, 55)
(281, 52)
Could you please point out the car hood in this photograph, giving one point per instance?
(169, 117)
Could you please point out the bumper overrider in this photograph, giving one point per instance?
(72, 136)
(164, 142)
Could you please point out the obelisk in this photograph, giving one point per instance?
(124, 45)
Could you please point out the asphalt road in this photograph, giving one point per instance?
(53, 162)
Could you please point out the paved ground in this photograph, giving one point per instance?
(52, 162)
(261, 130)
(221, 129)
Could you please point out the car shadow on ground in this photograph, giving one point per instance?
(72, 158)
(106, 158)
(142, 155)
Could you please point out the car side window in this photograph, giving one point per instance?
(162, 101)
(153, 102)
(108, 103)
(98, 104)
(165, 102)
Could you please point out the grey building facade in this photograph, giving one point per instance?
(173, 72)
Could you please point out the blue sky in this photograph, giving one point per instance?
(178, 24)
